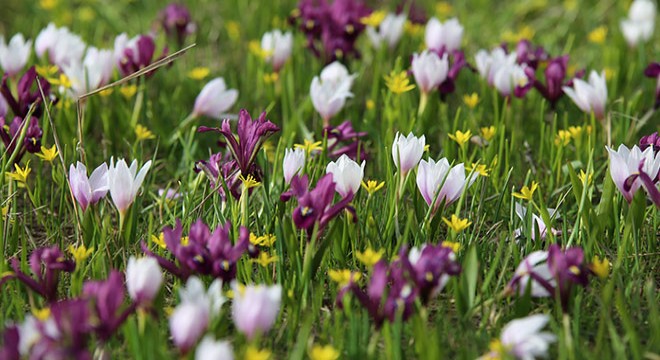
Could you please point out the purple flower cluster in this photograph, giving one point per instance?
(393, 288)
(331, 29)
(203, 253)
(344, 140)
(653, 71)
(176, 21)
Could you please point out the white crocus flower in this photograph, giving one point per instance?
(407, 151)
(589, 96)
(125, 182)
(277, 47)
(215, 99)
(346, 174)
(15, 54)
(640, 23)
(443, 36)
(429, 70)
(293, 163)
(330, 90)
(389, 31)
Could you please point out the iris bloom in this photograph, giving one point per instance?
(88, 190)
(255, 308)
(15, 55)
(27, 93)
(407, 151)
(277, 47)
(343, 139)
(9, 134)
(555, 78)
(626, 166)
(107, 297)
(330, 90)
(653, 71)
(346, 174)
(445, 36)
(522, 339)
(215, 99)
(176, 21)
(638, 26)
(125, 182)
(203, 253)
(134, 54)
(589, 96)
(46, 264)
(440, 183)
(389, 31)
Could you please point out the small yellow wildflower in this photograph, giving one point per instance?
(471, 100)
(270, 78)
(461, 137)
(527, 193)
(159, 240)
(48, 4)
(20, 174)
(47, 154)
(253, 353)
(199, 73)
(524, 33)
(600, 267)
(46, 71)
(488, 132)
(62, 81)
(480, 169)
(185, 241)
(369, 257)
(233, 30)
(326, 352)
(85, 14)
(343, 277)
(374, 19)
(609, 73)
(107, 92)
(598, 35)
(309, 146)
(5, 210)
(248, 182)
(443, 9)
(496, 351)
(457, 224)
(584, 178)
(370, 104)
(143, 133)
(80, 253)
(454, 246)
(266, 240)
(128, 91)
(413, 29)
(398, 83)
(372, 186)
(265, 259)
(563, 138)
(41, 314)
(576, 131)
(255, 48)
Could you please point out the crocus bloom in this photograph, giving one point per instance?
(533, 266)
(441, 183)
(46, 264)
(653, 71)
(176, 21)
(625, 167)
(27, 93)
(215, 99)
(277, 46)
(504, 73)
(63, 46)
(15, 55)
(108, 299)
(589, 96)
(407, 151)
(205, 253)
(125, 182)
(429, 70)
(315, 205)
(90, 190)
(639, 25)
(210, 349)
(346, 174)
(330, 91)
(66, 332)
(389, 31)
(143, 279)
(93, 72)
(522, 339)
(255, 308)
(197, 309)
(537, 223)
(134, 54)
(445, 36)
(293, 163)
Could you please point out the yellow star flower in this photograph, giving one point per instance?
(266, 240)
(253, 353)
(143, 133)
(370, 104)
(374, 19)
(457, 224)
(575, 131)
(398, 83)
(454, 246)
(159, 240)
(343, 277)
(480, 169)
(600, 267)
(199, 73)
(41, 314)
(128, 91)
(461, 137)
(233, 30)
(270, 78)
(598, 35)
(46, 71)
(413, 29)
(20, 174)
(326, 352)
(527, 193)
(369, 257)
(80, 253)
(264, 259)
(309, 146)
(107, 92)
(443, 9)
(488, 132)
(62, 81)
(372, 186)
(584, 178)
(47, 154)
(48, 4)
(563, 138)
(471, 100)
(249, 182)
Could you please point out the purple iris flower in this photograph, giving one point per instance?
(136, 54)
(66, 333)
(108, 298)
(46, 264)
(315, 206)
(456, 63)
(205, 253)
(10, 133)
(651, 185)
(650, 140)
(555, 76)
(429, 268)
(27, 93)
(343, 139)
(176, 21)
(10, 340)
(527, 54)
(653, 71)
(569, 269)
(415, 13)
